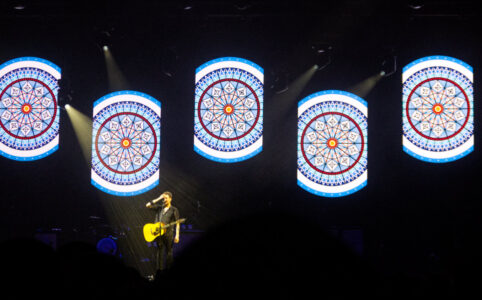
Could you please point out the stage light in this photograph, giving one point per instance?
(228, 109)
(280, 81)
(295, 87)
(388, 65)
(67, 106)
(286, 101)
(438, 109)
(242, 4)
(323, 55)
(105, 48)
(169, 61)
(19, 7)
(116, 78)
(415, 4)
(187, 5)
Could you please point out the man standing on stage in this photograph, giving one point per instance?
(166, 213)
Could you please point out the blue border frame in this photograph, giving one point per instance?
(437, 160)
(228, 160)
(440, 57)
(229, 58)
(116, 193)
(127, 92)
(30, 158)
(335, 92)
(332, 195)
(31, 58)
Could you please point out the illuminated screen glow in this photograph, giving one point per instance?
(228, 110)
(126, 140)
(29, 110)
(438, 115)
(332, 143)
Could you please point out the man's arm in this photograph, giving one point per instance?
(176, 238)
(176, 216)
(154, 204)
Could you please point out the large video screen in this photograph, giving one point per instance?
(438, 109)
(126, 138)
(228, 110)
(332, 143)
(29, 110)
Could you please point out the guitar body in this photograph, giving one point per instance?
(153, 230)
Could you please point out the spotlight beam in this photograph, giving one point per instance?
(117, 80)
(83, 130)
(286, 100)
(283, 105)
(364, 87)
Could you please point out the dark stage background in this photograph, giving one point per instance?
(409, 214)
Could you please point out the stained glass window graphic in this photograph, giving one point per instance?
(126, 137)
(29, 110)
(332, 143)
(228, 110)
(438, 117)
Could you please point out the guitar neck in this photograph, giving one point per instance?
(173, 223)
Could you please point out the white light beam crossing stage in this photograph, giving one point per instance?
(29, 109)
(126, 140)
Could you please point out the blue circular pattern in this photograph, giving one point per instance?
(346, 160)
(139, 127)
(444, 87)
(222, 131)
(34, 90)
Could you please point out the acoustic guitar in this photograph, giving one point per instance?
(153, 230)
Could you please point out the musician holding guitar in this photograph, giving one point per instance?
(163, 230)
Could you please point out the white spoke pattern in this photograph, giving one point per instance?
(126, 143)
(28, 108)
(29, 112)
(228, 110)
(332, 143)
(437, 109)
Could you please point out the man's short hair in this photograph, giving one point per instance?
(168, 194)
